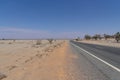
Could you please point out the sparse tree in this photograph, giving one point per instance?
(112, 36)
(87, 37)
(99, 36)
(107, 36)
(96, 37)
(117, 36)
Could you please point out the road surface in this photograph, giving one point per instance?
(102, 61)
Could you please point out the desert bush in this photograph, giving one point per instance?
(117, 36)
(96, 37)
(38, 42)
(14, 40)
(55, 40)
(77, 39)
(10, 43)
(2, 76)
(87, 37)
(106, 36)
(99, 36)
(50, 41)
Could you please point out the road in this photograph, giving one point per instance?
(105, 61)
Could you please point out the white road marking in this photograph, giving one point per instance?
(117, 69)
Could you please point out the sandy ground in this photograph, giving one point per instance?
(24, 60)
(111, 42)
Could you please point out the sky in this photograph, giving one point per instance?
(34, 19)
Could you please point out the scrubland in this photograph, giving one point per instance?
(21, 59)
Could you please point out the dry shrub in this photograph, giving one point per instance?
(50, 40)
(39, 42)
(12, 67)
(2, 76)
(10, 43)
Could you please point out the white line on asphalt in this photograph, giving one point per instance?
(97, 58)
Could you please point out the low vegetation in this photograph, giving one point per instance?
(50, 41)
(116, 37)
(87, 37)
(2, 76)
(38, 42)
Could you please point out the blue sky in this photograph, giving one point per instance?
(58, 18)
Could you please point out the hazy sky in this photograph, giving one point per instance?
(58, 18)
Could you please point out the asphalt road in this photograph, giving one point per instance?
(105, 61)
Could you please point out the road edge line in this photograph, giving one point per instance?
(117, 69)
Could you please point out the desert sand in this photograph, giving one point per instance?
(24, 60)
